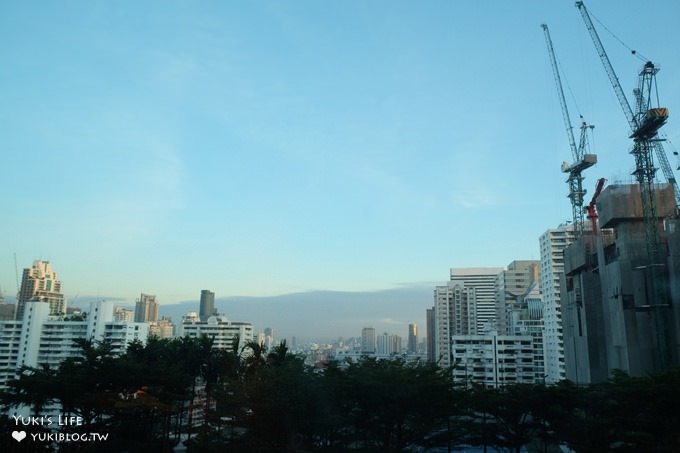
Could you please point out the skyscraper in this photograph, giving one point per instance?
(368, 340)
(430, 344)
(387, 345)
(146, 308)
(412, 338)
(483, 281)
(207, 307)
(40, 284)
(511, 284)
(453, 315)
(552, 244)
(465, 306)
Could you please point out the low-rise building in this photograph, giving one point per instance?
(218, 328)
(494, 360)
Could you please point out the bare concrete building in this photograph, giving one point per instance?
(611, 319)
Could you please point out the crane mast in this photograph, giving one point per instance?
(581, 160)
(644, 124)
(634, 120)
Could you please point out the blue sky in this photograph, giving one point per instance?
(265, 148)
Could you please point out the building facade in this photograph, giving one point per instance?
(552, 245)
(466, 305)
(429, 341)
(163, 328)
(412, 339)
(41, 339)
(526, 319)
(207, 304)
(388, 345)
(123, 314)
(614, 318)
(218, 328)
(368, 340)
(146, 308)
(40, 283)
(494, 360)
(483, 281)
(511, 284)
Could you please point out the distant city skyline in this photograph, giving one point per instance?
(274, 148)
(335, 313)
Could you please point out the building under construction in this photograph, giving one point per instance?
(620, 311)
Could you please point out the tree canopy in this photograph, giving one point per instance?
(249, 399)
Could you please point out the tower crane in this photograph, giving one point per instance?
(581, 159)
(644, 124)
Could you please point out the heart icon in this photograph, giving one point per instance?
(19, 435)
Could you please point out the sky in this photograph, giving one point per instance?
(265, 148)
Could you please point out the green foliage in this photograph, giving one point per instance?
(270, 401)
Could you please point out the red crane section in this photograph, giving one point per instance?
(592, 210)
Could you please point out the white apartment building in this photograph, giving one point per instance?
(387, 345)
(465, 306)
(493, 360)
(41, 339)
(552, 244)
(219, 328)
(10, 333)
(483, 280)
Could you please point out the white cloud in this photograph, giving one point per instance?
(478, 198)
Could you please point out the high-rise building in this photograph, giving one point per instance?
(552, 244)
(38, 339)
(454, 314)
(483, 281)
(510, 285)
(41, 284)
(368, 340)
(387, 345)
(429, 341)
(146, 308)
(207, 307)
(412, 339)
(465, 306)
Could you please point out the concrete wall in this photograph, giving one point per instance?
(622, 203)
(585, 352)
(611, 320)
